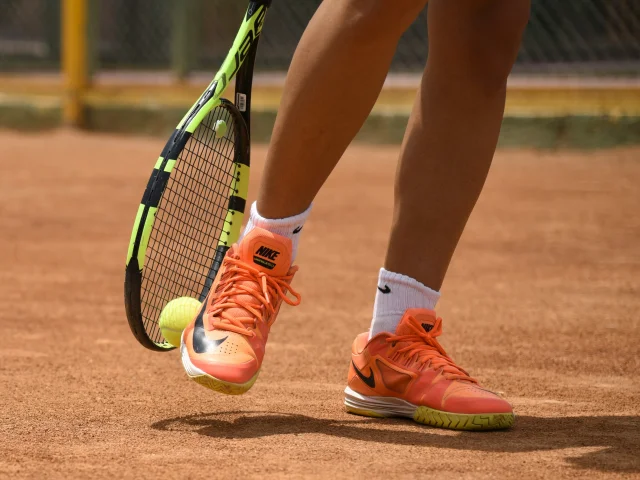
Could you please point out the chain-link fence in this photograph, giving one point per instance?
(563, 37)
(29, 34)
(583, 36)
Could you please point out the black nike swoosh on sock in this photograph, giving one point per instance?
(385, 290)
(297, 230)
(370, 381)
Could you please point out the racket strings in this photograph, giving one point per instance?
(189, 220)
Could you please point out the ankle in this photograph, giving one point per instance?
(396, 293)
(289, 227)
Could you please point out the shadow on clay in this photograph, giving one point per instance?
(618, 437)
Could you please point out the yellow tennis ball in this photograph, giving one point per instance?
(175, 316)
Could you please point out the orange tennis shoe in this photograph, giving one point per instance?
(224, 345)
(408, 374)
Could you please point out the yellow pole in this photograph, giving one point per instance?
(74, 59)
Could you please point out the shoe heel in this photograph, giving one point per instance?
(377, 407)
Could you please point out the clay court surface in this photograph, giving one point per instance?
(541, 303)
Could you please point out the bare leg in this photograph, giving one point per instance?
(335, 78)
(453, 131)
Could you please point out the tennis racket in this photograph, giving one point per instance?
(192, 208)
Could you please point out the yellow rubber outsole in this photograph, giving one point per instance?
(454, 421)
(220, 386)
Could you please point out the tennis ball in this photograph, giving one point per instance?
(175, 316)
(220, 128)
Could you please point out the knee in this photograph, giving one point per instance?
(384, 16)
(504, 22)
(496, 33)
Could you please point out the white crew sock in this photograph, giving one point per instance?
(289, 227)
(395, 294)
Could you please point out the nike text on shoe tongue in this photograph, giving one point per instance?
(268, 252)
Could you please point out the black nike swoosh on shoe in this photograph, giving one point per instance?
(370, 381)
(202, 344)
(385, 290)
(297, 230)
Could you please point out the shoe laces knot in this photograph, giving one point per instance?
(422, 346)
(245, 289)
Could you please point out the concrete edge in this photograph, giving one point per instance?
(535, 117)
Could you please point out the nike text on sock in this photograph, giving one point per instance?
(289, 227)
(395, 294)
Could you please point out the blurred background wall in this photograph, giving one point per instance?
(579, 58)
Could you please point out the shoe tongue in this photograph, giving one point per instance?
(268, 252)
(418, 317)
